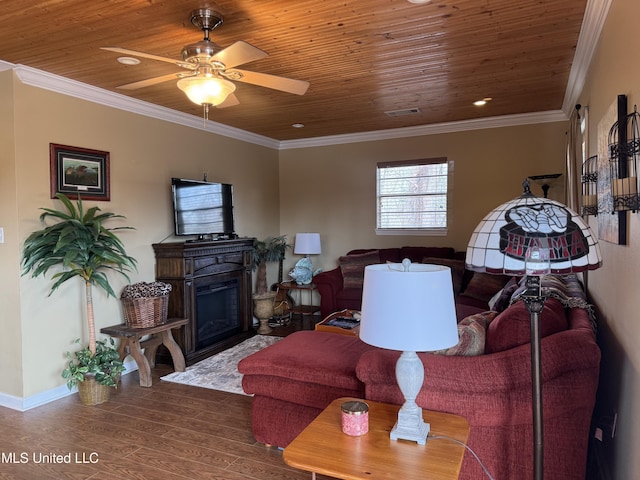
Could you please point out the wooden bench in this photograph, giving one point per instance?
(130, 344)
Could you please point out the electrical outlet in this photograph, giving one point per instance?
(598, 434)
(1, 234)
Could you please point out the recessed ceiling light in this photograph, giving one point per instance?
(480, 103)
(419, 2)
(298, 125)
(128, 61)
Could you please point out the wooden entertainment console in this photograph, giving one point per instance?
(211, 287)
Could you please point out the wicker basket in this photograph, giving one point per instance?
(145, 312)
(92, 392)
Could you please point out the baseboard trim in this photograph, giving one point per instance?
(22, 404)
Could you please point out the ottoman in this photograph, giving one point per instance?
(296, 378)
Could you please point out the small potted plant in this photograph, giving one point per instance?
(271, 249)
(80, 245)
(94, 371)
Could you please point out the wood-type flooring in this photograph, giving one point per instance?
(168, 431)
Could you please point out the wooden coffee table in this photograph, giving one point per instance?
(323, 448)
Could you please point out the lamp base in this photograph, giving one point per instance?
(411, 426)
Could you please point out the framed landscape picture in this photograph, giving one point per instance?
(79, 171)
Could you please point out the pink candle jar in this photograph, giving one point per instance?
(355, 418)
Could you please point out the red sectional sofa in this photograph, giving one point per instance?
(295, 379)
(341, 288)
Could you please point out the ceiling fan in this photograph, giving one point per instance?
(211, 67)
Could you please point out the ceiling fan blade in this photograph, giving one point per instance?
(289, 85)
(133, 53)
(239, 53)
(230, 101)
(149, 81)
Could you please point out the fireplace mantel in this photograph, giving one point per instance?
(188, 266)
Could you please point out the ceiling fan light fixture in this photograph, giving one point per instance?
(206, 90)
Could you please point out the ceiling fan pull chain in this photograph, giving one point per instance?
(206, 114)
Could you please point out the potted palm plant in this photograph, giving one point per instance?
(271, 249)
(81, 246)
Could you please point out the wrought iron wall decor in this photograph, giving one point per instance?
(624, 150)
(589, 179)
(611, 227)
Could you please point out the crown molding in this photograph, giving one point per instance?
(55, 83)
(48, 81)
(433, 129)
(595, 16)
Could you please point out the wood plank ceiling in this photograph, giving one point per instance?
(362, 58)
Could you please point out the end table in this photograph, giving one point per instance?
(302, 308)
(323, 448)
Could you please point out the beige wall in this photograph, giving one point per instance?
(614, 286)
(145, 154)
(11, 338)
(332, 190)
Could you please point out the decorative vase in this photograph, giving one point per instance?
(263, 310)
(92, 392)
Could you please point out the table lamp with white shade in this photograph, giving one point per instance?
(409, 307)
(305, 244)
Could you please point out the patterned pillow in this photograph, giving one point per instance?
(456, 266)
(566, 288)
(352, 267)
(472, 331)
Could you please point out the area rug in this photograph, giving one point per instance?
(220, 371)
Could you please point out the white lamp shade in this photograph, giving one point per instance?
(206, 90)
(500, 242)
(307, 244)
(410, 310)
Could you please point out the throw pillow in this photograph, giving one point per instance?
(566, 288)
(512, 327)
(472, 331)
(501, 300)
(352, 268)
(483, 286)
(456, 266)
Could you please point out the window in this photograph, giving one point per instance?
(412, 197)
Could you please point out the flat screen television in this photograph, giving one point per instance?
(203, 208)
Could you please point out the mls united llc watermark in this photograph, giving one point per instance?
(50, 457)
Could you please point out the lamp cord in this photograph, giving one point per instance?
(444, 437)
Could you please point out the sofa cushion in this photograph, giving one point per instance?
(456, 266)
(512, 327)
(416, 254)
(483, 286)
(308, 368)
(464, 310)
(472, 331)
(352, 267)
(349, 298)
